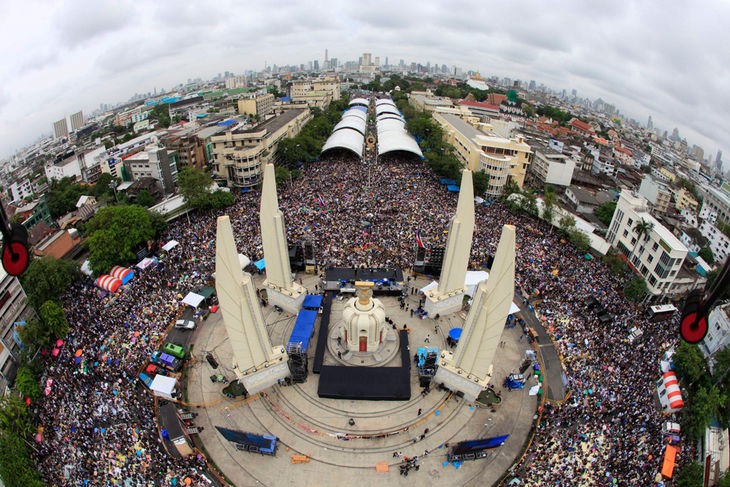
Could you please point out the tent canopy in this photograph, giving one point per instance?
(244, 261)
(193, 299)
(206, 292)
(163, 386)
(312, 301)
(146, 262)
(170, 245)
(260, 264)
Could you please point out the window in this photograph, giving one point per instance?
(626, 233)
(654, 247)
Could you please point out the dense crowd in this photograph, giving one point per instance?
(99, 423)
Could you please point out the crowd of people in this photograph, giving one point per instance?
(99, 423)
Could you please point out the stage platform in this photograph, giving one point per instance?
(324, 325)
(369, 383)
(388, 282)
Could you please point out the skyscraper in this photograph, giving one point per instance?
(77, 120)
(60, 128)
(649, 124)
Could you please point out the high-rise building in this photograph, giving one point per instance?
(367, 59)
(649, 124)
(77, 120)
(60, 128)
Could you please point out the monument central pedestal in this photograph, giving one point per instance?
(289, 299)
(443, 303)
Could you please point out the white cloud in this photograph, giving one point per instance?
(665, 59)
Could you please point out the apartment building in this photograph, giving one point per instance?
(550, 167)
(657, 255)
(241, 153)
(260, 104)
(308, 90)
(657, 194)
(14, 311)
(479, 149)
(155, 162)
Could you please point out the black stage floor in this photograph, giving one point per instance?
(369, 383)
(342, 279)
(324, 332)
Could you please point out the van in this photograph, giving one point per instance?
(185, 324)
(174, 350)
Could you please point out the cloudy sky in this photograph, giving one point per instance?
(666, 59)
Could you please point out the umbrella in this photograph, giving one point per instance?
(55, 352)
(77, 360)
(79, 352)
(59, 342)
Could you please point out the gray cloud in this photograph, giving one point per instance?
(647, 57)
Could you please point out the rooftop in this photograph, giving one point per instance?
(273, 124)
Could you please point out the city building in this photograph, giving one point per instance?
(60, 128)
(241, 153)
(156, 162)
(585, 201)
(549, 167)
(717, 201)
(14, 312)
(479, 149)
(657, 255)
(77, 120)
(718, 242)
(189, 148)
(657, 194)
(20, 190)
(65, 168)
(718, 333)
(317, 92)
(484, 111)
(260, 104)
(683, 199)
(425, 101)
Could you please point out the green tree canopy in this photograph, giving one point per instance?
(690, 475)
(689, 362)
(54, 318)
(63, 196)
(481, 183)
(115, 232)
(580, 240)
(707, 255)
(704, 406)
(566, 223)
(16, 466)
(635, 290)
(144, 198)
(14, 416)
(161, 113)
(605, 212)
(194, 185)
(47, 278)
(27, 383)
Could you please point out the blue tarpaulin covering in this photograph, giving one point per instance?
(303, 329)
(455, 333)
(226, 123)
(260, 264)
(312, 301)
(453, 188)
(447, 181)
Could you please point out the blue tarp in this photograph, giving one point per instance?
(285, 99)
(303, 329)
(476, 445)
(447, 181)
(226, 123)
(455, 333)
(260, 264)
(312, 301)
(266, 443)
(453, 188)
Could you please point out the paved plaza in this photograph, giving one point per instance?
(308, 425)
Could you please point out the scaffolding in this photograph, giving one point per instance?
(297, 362)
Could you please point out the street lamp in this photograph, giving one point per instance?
(113, 186)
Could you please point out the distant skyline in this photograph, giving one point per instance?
(664, 59)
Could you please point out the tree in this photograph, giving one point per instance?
(283, 175)
(690, 475)
(47, 278)
(63, 196)
(529, 204)
(16, 465)
(14, 416)
(689, 362)
(144, 198)
(102, 188)
(641, 228)
(605, 212)
(580, 240)
(566, 223)
(510, 188)
(635, 289)
(481, 183)
(707, 255)
(161, 113)
(615, 263)
(27, 383)
(548, 213)
(704, 406)
(54, 318)
(34, 335)
(114, 233)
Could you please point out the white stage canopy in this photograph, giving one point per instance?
(170, 245)
(163, 386)
(193, 299)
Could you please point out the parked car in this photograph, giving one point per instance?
(185, 324)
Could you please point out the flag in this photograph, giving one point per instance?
(320, 199)
(418, 239)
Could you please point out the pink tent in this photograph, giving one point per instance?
(122, 273)
(108, 283)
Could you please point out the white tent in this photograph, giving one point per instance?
(245, 261)
(170, 245)
(193, 299)
(472, 279)
(86, 268)
(163, 386)
(429, 286)
(146, 262)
